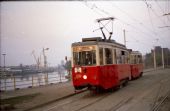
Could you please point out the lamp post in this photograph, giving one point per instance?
(45, 63)
(45, 57)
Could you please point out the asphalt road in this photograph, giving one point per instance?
(142, 94)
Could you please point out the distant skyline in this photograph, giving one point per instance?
(27, 26)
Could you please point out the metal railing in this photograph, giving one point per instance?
(29, 81)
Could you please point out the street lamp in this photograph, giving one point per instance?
(45, 63)
(45, 57)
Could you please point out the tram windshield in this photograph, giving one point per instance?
(87, 58)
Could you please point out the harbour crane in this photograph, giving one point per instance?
(37, 60)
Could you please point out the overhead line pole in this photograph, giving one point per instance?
(163, 64)
(124, 37)
(154, 57)
(4, 62)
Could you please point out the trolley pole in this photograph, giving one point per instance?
(124, 37)
(163, 64)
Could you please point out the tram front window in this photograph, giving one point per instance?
(85, 58)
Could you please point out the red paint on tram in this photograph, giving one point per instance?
(107, 76)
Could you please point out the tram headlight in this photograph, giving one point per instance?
(84, 77)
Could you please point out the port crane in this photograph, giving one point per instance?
(37, 60)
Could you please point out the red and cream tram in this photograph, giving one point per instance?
(103, 63)
(99, 63)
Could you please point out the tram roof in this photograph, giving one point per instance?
(97, 41)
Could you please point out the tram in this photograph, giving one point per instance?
(102, 63)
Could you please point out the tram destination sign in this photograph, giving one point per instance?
(83, 48)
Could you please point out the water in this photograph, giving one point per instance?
(34, 80)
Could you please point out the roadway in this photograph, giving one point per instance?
(142, 94)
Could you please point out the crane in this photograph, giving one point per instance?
(37, 60)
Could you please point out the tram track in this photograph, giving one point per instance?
(120, 104)
(159, 99)
(94, 102)
(97, 98)
(154, 108)
(88, 101)
(158, 105)
(62, 104)
(56, 100)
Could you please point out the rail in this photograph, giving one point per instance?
(30, 81)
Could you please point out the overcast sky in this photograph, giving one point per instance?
(28, 26)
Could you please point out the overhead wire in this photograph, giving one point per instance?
(140, 22)
(162, 10)
(132, 36)
(121, 20)
(107, 13)
(150, 7)
(133, 19)
(136, 20)
(135, 28)
(92, 8)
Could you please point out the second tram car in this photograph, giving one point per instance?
(136, 64)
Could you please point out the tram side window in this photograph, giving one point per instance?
(132, 59)
(108, 56)
(126, 57)
(114, 57)
(122, 57)
(134, 62)
(140, 58)
(101, 56)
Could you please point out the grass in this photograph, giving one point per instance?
(11, 102)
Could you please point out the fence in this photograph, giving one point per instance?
(29, 81)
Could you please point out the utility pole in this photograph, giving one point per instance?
(163, 65)
(124, 37)
(154, 57)
(4, 62)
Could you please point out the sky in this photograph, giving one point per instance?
(27, 26)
